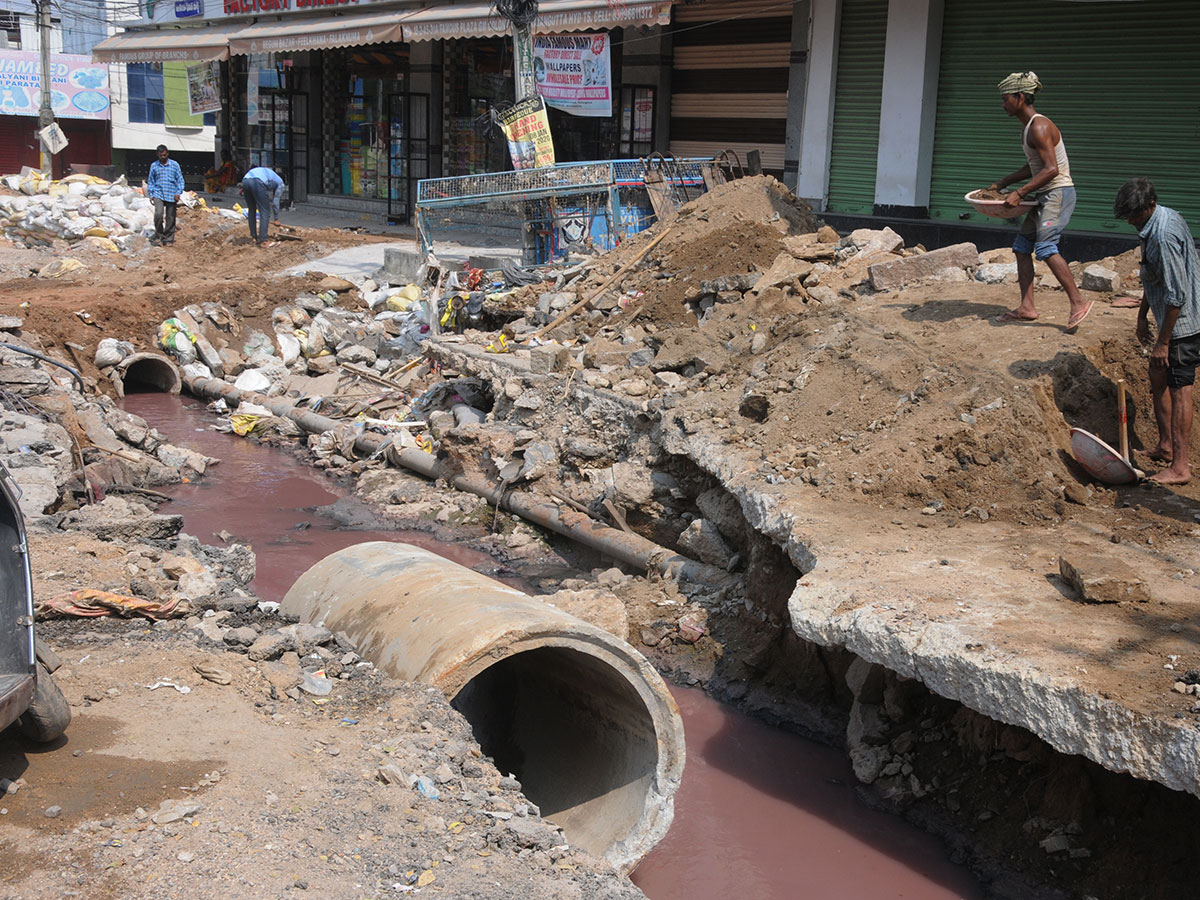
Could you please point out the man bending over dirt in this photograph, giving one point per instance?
(1049, 174)
(1171, 285)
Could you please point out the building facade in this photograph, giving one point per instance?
(901, 116)
(80, 95)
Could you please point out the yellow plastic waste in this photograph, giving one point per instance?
(96, 231)
(60, 267)
(244, 424)
(84, 179)
(498, 346)
(58, 189)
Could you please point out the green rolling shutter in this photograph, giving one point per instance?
(856, 106)
(1121, 81)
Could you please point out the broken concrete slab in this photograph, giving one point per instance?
(894, 274)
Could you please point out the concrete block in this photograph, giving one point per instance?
(1099, 579)
(870, 240)
(548, 358)
(1097, 278)
(400, 266)
(894, 274)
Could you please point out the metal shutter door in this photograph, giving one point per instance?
(1122, 82)
(729, 79)
(856, 106)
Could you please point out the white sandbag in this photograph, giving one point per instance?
(289, 347)
(253, 380)
(110, 352)
(196, 370)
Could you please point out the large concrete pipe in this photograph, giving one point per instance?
(582, 720)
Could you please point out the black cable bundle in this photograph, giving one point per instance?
(520, 12)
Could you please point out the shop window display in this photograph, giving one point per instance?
(372, 81)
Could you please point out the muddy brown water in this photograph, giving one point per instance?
(762, 814)
(268, 499)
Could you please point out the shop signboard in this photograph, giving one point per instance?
(204, 87)
(78, 87)
(573, 73)
(528, 132)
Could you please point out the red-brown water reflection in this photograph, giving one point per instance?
(767, 815)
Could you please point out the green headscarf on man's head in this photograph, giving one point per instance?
(1020, 83)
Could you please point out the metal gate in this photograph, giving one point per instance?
(408, 153)
(285, 144)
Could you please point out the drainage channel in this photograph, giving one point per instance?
(760, 813)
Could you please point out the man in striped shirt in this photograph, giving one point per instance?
(164, 185)
(1171, 290)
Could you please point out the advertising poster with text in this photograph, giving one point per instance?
(573, 73)
(528, 131)
(204, 88)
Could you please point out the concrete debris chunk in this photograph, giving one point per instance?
(702, 540)
(1098, 278)
(1101, 579)
(996, 273)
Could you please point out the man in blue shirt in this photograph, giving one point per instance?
(263, 189)
(164, 185)
(1171, 290)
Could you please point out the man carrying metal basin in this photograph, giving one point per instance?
(1049, 174)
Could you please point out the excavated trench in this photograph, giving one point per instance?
(761, 812)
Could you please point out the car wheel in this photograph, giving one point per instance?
(48, 714)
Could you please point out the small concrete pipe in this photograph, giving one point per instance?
(627, 547)
(582, 720)
(151, 370)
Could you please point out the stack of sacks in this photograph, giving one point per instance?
(78, 208)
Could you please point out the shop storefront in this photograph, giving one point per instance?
(355, 102)
(80, 100)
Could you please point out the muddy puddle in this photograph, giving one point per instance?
(761, 814)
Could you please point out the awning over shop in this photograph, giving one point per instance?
(319, 33)
(475, 20)
(167, 45)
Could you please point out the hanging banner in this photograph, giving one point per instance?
(252, 96)
(573, 73)
(204, 87)
(528, 132)
(78, 87)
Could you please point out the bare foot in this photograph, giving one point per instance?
(1171, 476)
(1015, 315)
(1159, 454)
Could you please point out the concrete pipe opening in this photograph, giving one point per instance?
(149, 373)
(582, 720)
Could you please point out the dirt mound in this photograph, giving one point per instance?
(737, 228)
